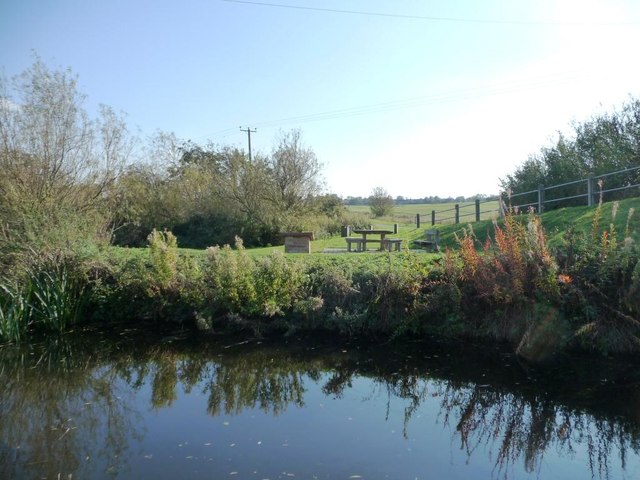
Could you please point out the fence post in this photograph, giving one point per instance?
(417, 220)
(590, 190)
(540, 198)
(395, 228)
(433, 217)
(457, 213)
(477, 209)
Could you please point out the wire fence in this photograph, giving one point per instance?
(586, 191)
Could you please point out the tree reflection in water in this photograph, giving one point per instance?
(61, 413)
(523, 429)
(65, 405)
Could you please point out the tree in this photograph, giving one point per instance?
(605, 143)
(380, 202)
(208, 194)
(57, 165)
(295, 173)
(245, 187)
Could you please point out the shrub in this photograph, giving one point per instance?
(163, 247)
(603, 282)
(515, 269)
(230, 282)
(278, 284)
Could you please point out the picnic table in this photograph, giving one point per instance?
(361, 243)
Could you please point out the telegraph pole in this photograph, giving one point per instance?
(249, 131)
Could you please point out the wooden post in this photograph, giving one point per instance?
(477, 209)
(433, 217)
(540, 198)
(395, 228)
(457, 213)
(417, 220)
(590, 189)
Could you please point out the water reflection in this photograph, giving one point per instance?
(59, 410)
(72, 406)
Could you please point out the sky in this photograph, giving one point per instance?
(418, 97)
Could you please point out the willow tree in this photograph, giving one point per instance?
(57, 164)
(295, 173)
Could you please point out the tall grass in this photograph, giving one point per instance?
(603, 286)
(14, 313)
(49, 294)
(58, 295)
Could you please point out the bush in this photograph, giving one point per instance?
(163, 251)
(247, 289)
(602, 287)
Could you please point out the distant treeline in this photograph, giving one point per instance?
(400, 200)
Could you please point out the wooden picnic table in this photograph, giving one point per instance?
(365, 232)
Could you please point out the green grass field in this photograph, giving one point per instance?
(444, 212)
(555, 222)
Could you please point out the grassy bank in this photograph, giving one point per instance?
(556, 223)
(544, 292)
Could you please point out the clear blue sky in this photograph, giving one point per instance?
(418, 97)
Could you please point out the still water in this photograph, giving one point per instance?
(90, 406)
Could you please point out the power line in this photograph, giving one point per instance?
(413, 102)
(431, 18)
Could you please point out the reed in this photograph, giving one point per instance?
(48, 294)
(14, 313)
(58, 296)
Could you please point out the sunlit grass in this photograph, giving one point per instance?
(555, 222)
(406, 214)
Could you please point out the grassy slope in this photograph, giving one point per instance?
(556, 222)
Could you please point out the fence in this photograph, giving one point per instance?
(578, 192)
(477, 210)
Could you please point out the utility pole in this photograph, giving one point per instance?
(249, 131)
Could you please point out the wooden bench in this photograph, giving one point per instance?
(431, 240)
(392, 243)
(358, 241)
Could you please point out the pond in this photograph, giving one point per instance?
(92, 405)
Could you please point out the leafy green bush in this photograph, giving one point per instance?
(278, 283)
(229, 276)
(250, 291)
(163, 253)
